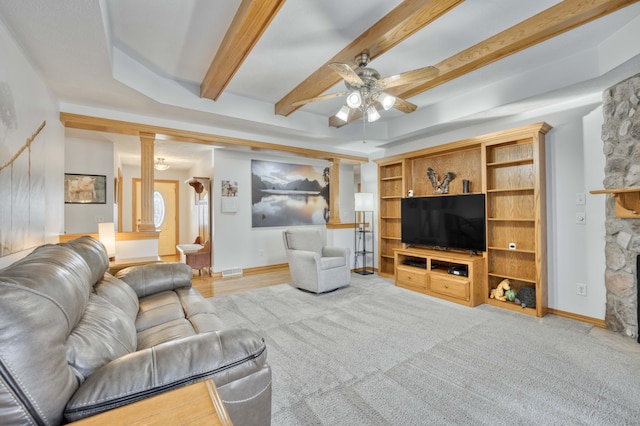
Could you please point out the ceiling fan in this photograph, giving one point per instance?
(365, 89)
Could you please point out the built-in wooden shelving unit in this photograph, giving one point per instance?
(509, 168)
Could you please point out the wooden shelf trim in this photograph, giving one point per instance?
(627, 201)
(512, 250)
(511, 219)
(528, 160)
(512, 277)
(524, 189)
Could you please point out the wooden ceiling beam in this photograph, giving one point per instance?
(249, 23)
(562, 17)
(97, 124)
(399, 24)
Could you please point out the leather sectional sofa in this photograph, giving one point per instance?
(76, 341)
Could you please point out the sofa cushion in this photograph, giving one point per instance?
(165, 332)
(174, 314)
(93, 252)
(103, 334)
(119, 294)
(305, 239)
(158, 309)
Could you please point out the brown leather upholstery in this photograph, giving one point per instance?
(201, 259)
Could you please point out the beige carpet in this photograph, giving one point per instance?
(375, 354)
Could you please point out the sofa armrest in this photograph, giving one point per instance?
(225, 356)
(156, 277)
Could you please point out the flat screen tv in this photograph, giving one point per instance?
(445, 221)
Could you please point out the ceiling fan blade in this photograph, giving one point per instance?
(346, 72)
(419, 75)
(404, 106)
(319, 98)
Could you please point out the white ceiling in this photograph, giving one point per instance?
(148, 57)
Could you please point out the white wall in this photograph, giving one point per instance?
(236, 243)
(88, 158)
(34, 103)
(594, 162)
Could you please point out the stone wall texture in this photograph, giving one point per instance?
(621, 137)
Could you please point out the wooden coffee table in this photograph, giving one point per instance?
(195, 404)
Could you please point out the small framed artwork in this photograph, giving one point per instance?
(85, 189)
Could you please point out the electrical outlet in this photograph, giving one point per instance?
(580, 198)
(99, 219)
(261, 252)
(581, 289)
(581, 218)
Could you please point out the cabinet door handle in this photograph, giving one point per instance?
(446, 286)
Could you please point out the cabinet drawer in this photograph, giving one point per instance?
(450, 286)
(412, 276)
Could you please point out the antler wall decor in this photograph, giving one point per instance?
(440, 186)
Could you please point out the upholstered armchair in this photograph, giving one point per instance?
(313, 266)
(200, 259)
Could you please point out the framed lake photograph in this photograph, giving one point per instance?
(284, 194)
(85, 189)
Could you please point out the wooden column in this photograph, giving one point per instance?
(334, 192)
(146, 177)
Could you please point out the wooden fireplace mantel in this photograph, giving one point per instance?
(627, 201)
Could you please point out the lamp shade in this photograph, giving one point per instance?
(354, 100)
(107, 236)
(363, 202)
(343, 114)
(372, 114)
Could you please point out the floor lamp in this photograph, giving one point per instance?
(363, 204)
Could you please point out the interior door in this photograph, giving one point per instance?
(165, 210)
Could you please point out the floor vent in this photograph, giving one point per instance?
(233, 272)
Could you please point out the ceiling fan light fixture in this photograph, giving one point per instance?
(387, 101)
(372, 114)
(160, 164)
(343, 113)
(354, 100)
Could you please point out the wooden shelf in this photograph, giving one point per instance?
(512, 250)
(511, 162)
(510, 190)
(627, 201)
(512, 307)
(513, 277)
(510, 219)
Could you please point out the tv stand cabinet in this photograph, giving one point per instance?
(428, 271)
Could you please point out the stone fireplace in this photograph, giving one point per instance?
(621, 137)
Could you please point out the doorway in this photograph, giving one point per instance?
(165, 213)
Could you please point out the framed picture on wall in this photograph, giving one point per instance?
(85, 189)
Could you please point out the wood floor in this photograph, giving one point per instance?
(219, 287)
(210, 287)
